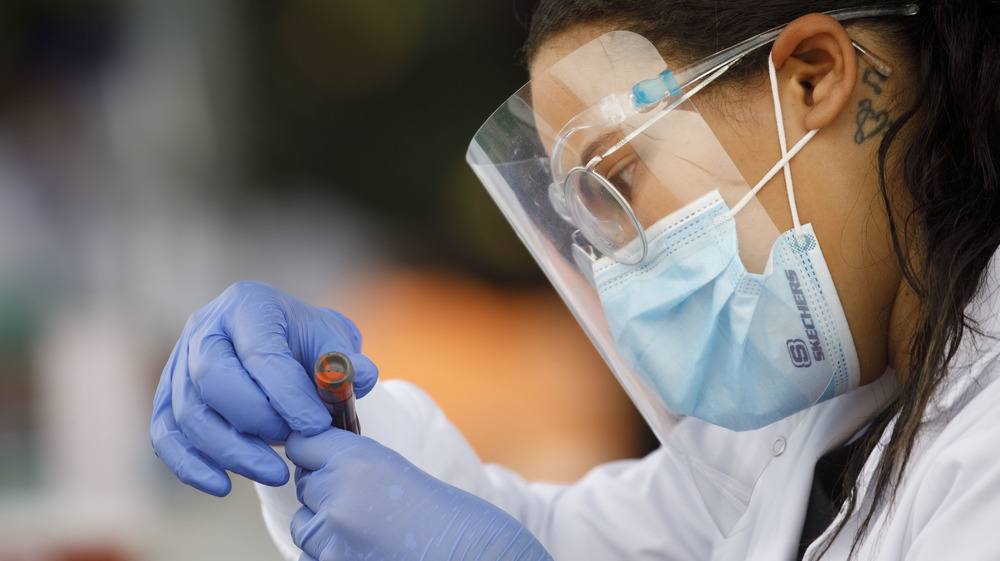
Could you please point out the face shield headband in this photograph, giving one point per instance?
(603, 166)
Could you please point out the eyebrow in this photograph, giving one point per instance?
(595, 148)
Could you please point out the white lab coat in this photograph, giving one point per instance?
(706, 504)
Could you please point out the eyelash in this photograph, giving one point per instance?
(621, 173)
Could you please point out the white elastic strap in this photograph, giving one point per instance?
(786, 156)
(774, 171)
(780, 121)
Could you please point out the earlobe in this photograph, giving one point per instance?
(817, 55)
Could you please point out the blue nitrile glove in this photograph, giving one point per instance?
(363, 500)
(240, 377)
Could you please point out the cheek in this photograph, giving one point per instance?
(652, 199)
(750, 138)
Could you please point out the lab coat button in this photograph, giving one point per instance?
(778, 446)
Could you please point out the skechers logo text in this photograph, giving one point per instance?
(799, 353)
(798, 350)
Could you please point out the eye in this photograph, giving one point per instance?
(620, 170)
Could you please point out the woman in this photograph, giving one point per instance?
(816, 352)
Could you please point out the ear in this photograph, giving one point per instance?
(816, 58)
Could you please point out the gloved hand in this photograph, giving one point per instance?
(240, 377)
(363, 500)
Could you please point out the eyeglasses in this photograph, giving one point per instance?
(597, 201)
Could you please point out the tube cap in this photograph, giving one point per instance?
(334, 377)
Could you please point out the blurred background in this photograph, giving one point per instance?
(152, 153)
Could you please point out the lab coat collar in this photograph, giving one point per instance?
(728, 467)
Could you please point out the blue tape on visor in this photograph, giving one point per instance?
(648, 92)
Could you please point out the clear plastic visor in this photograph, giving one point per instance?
(561, 214)
(568, 215)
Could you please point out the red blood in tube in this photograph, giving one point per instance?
(334, 378)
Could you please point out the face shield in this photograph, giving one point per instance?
(597, 161)
(581, 172)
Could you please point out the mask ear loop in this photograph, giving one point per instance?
(780, 121)
(782, 165)
(763, 181)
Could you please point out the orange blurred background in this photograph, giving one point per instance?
(509, 366)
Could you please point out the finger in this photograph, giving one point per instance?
(219, 441)
(187, 463)
(259, 335)
(173, 448)
(242, 454)
(312, 452)
(303, 488)
(315, 489)
(298, 475)
(365, 373)
(334, 332)
(308, 533)
(229, 390)
(346, 333)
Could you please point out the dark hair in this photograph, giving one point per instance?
(948, 168)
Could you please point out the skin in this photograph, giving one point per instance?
(822, 85)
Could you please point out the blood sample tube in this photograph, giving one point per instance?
(334, 378)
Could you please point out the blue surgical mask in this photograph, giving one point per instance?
(737, 349)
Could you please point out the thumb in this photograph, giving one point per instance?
(312, 452)
(365, 373)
